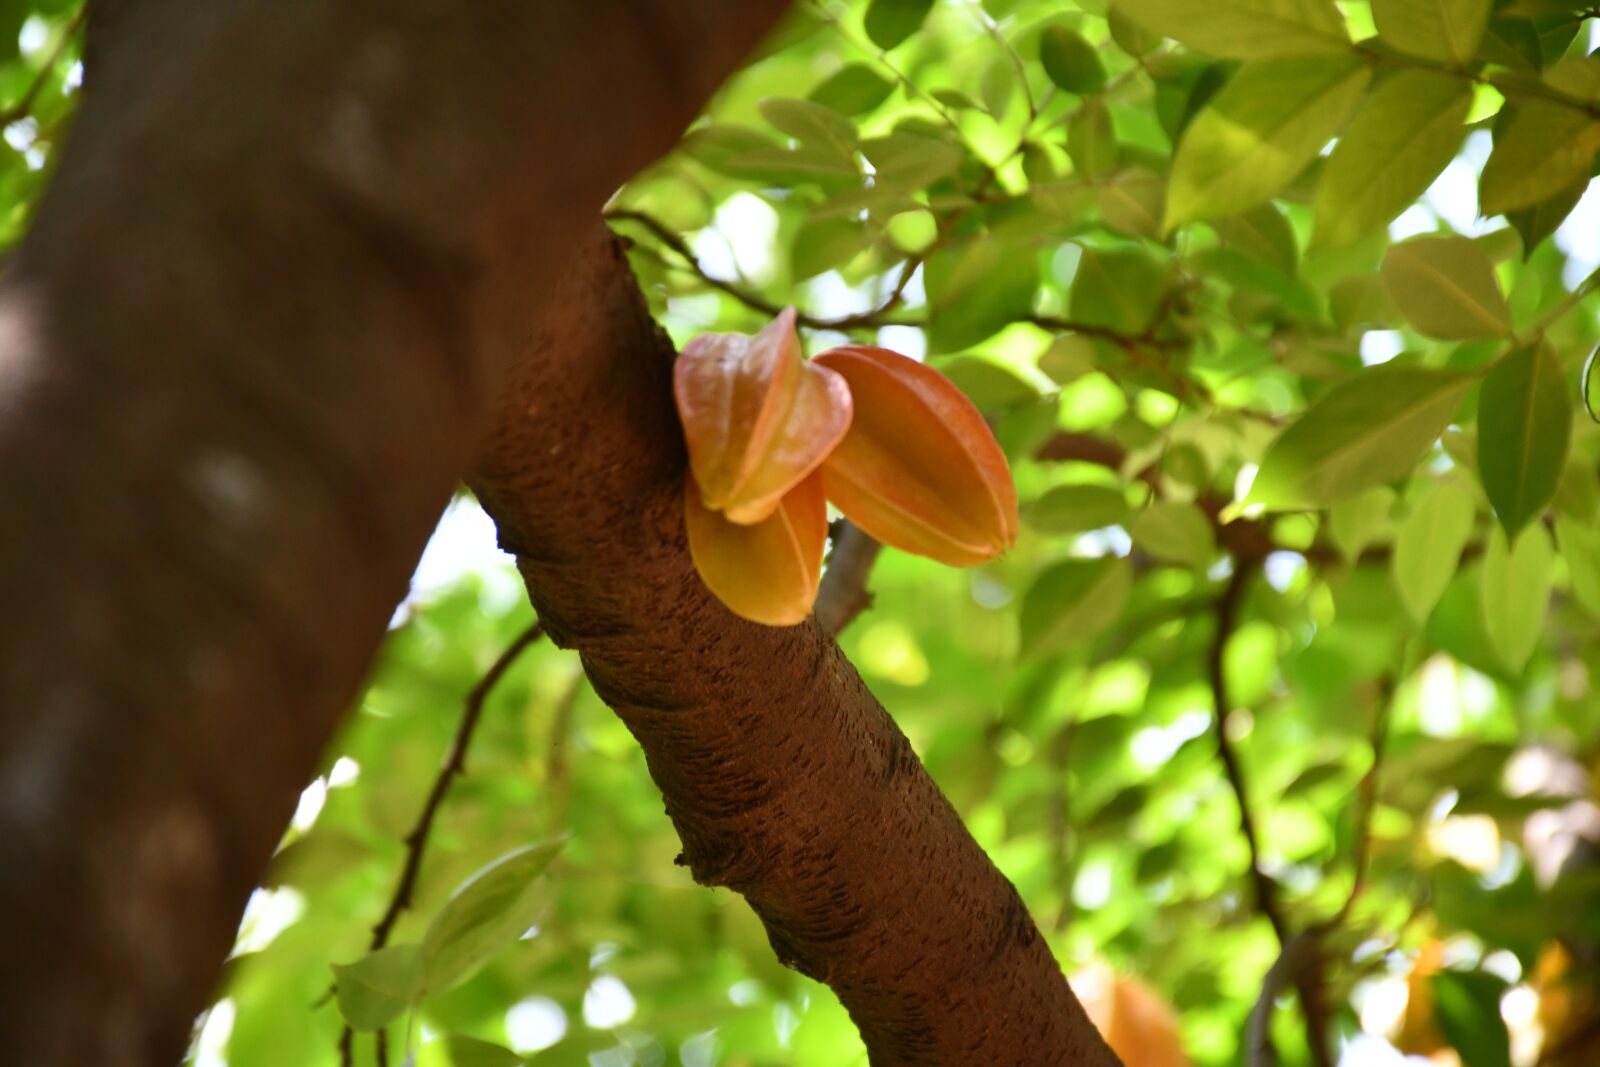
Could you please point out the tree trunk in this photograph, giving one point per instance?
(786, 780)
(245, 354)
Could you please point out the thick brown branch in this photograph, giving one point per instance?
(786, 780)
(245, 355)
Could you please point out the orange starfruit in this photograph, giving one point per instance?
(772, 437)
(756, 416)
(1138, 1024)
(765, 571)
(919, 469)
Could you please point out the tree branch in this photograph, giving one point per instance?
(755, 301)
(1306, 975)
(844, 594)
(785, 779)
(416, 840)
(284, 263)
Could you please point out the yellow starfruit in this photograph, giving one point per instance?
(765, 571)
(919, 468)
(756, 416)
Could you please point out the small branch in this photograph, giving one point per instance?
(1306, 974)
(1227, 611)
(24, 105)
(1367, 800)
(755, 301)
(1292, 962)
(844, 592)
(417, 840)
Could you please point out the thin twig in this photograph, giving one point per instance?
(24, 105)
(844, 593)
(1306, 975)
(755, 301)
(417, 840)
(1367, 802)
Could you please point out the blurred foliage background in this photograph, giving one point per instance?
(1146, 238)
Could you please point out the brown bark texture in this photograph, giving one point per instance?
(245, 354)
(786, 780)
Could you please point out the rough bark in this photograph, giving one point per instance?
(245, 354)
(786, 780)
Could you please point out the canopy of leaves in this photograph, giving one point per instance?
(1163, 244)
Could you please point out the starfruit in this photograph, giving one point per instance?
(919, 468)
(765, 571)
(757, 417)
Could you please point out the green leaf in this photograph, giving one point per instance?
(374, 990)
(1447, 31)
(1534, 224)
(1073, 601)
(976, 290)
(1121, 289)
(910, 162)
(1263, 234)
(1354, 522)
(811, 124)
(1076, 508)
(1398, 142)
(1070, 61)
(853, 90)
(888, 22)
(1580, 547)
(1524, 426)
(1445, 287)
(1589, 386)
(1175, 533)
(1468, 1008)
(490, 911)
(1130, 36)
(1541, 149)
(1245, 29)
(1369, 430)
(1261, 130)
(989, 383)
(1068, 358)
(1092, 139)
(824, 243)
(1515, 592)
(470, 1052)
(1131, 202)
(1428, 547)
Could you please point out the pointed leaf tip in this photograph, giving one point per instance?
(757, 418)
(919, 468)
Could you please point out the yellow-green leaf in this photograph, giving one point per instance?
(1524, 426)
(488, 913)
(1448, 31)
(1076, 508)
(374, 990)
(1445, 287)
(1070, 61)
(1540, 149)
(1073, 601)
(1260, 131)
(1120, 289)
(1354, 523)
(1175, 533)
(1367, 431)
(1428, 547)
(1515, 592)
(1245, 29)
(1398, 142)
(1131, 202)
(1580, 547)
